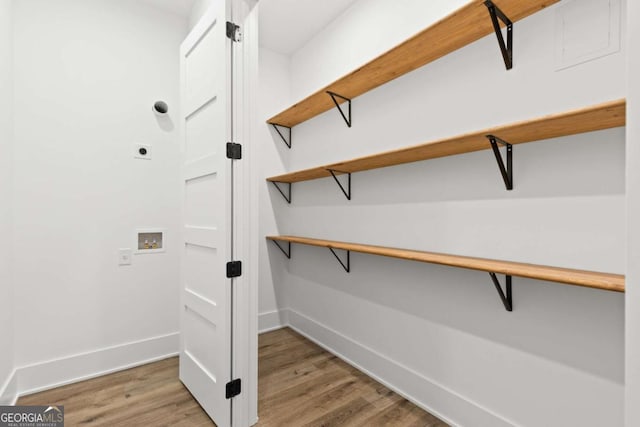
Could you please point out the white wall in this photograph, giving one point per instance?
(274, 94)
(633, 225)
(6, 167)
(86, 76)
(344, 45)
(440, 335)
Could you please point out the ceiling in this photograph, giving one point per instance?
(287, 25)
(179, 7)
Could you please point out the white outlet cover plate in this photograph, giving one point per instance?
(136, 151)
(125, 256)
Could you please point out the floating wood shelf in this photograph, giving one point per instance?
(597, 117)
(462, 27)
(589, 279)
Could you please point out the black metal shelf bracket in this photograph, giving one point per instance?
(347, 265)
(507, 299)
(333, 96)
(505, 48)
(286, 253)
(286, 141)
(347, 191)
(505, 171)
(286, 197)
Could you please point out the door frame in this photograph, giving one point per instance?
(245, 406)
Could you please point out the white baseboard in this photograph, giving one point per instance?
(55, 373)
(425, 393)
(9, 390)
(272, 320)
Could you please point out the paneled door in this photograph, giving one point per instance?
(207, 303)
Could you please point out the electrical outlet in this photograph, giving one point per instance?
(142, 151)
(124, 256)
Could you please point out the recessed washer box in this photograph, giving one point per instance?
(149, 241)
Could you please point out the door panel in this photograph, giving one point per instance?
(204, 198)
(202, 68)
(205, 357)
(198, 273)
(210, 119)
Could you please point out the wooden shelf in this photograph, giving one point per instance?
(597, 117)
(589, 279)
(462, 27)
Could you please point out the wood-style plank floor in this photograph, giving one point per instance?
(300, 384)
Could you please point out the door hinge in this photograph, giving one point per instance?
(234, 388)
(234, 151)
(233, 32)
(234, 269)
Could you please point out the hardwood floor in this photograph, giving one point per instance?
(149, 395)
(300, 384)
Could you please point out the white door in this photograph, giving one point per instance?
(207, 295)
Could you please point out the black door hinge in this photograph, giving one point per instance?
(233, 31)
(233, 388)
(234, 151)
(234, 269)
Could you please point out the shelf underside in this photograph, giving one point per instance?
(462, 27)
(590, 279)
(597, 117)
